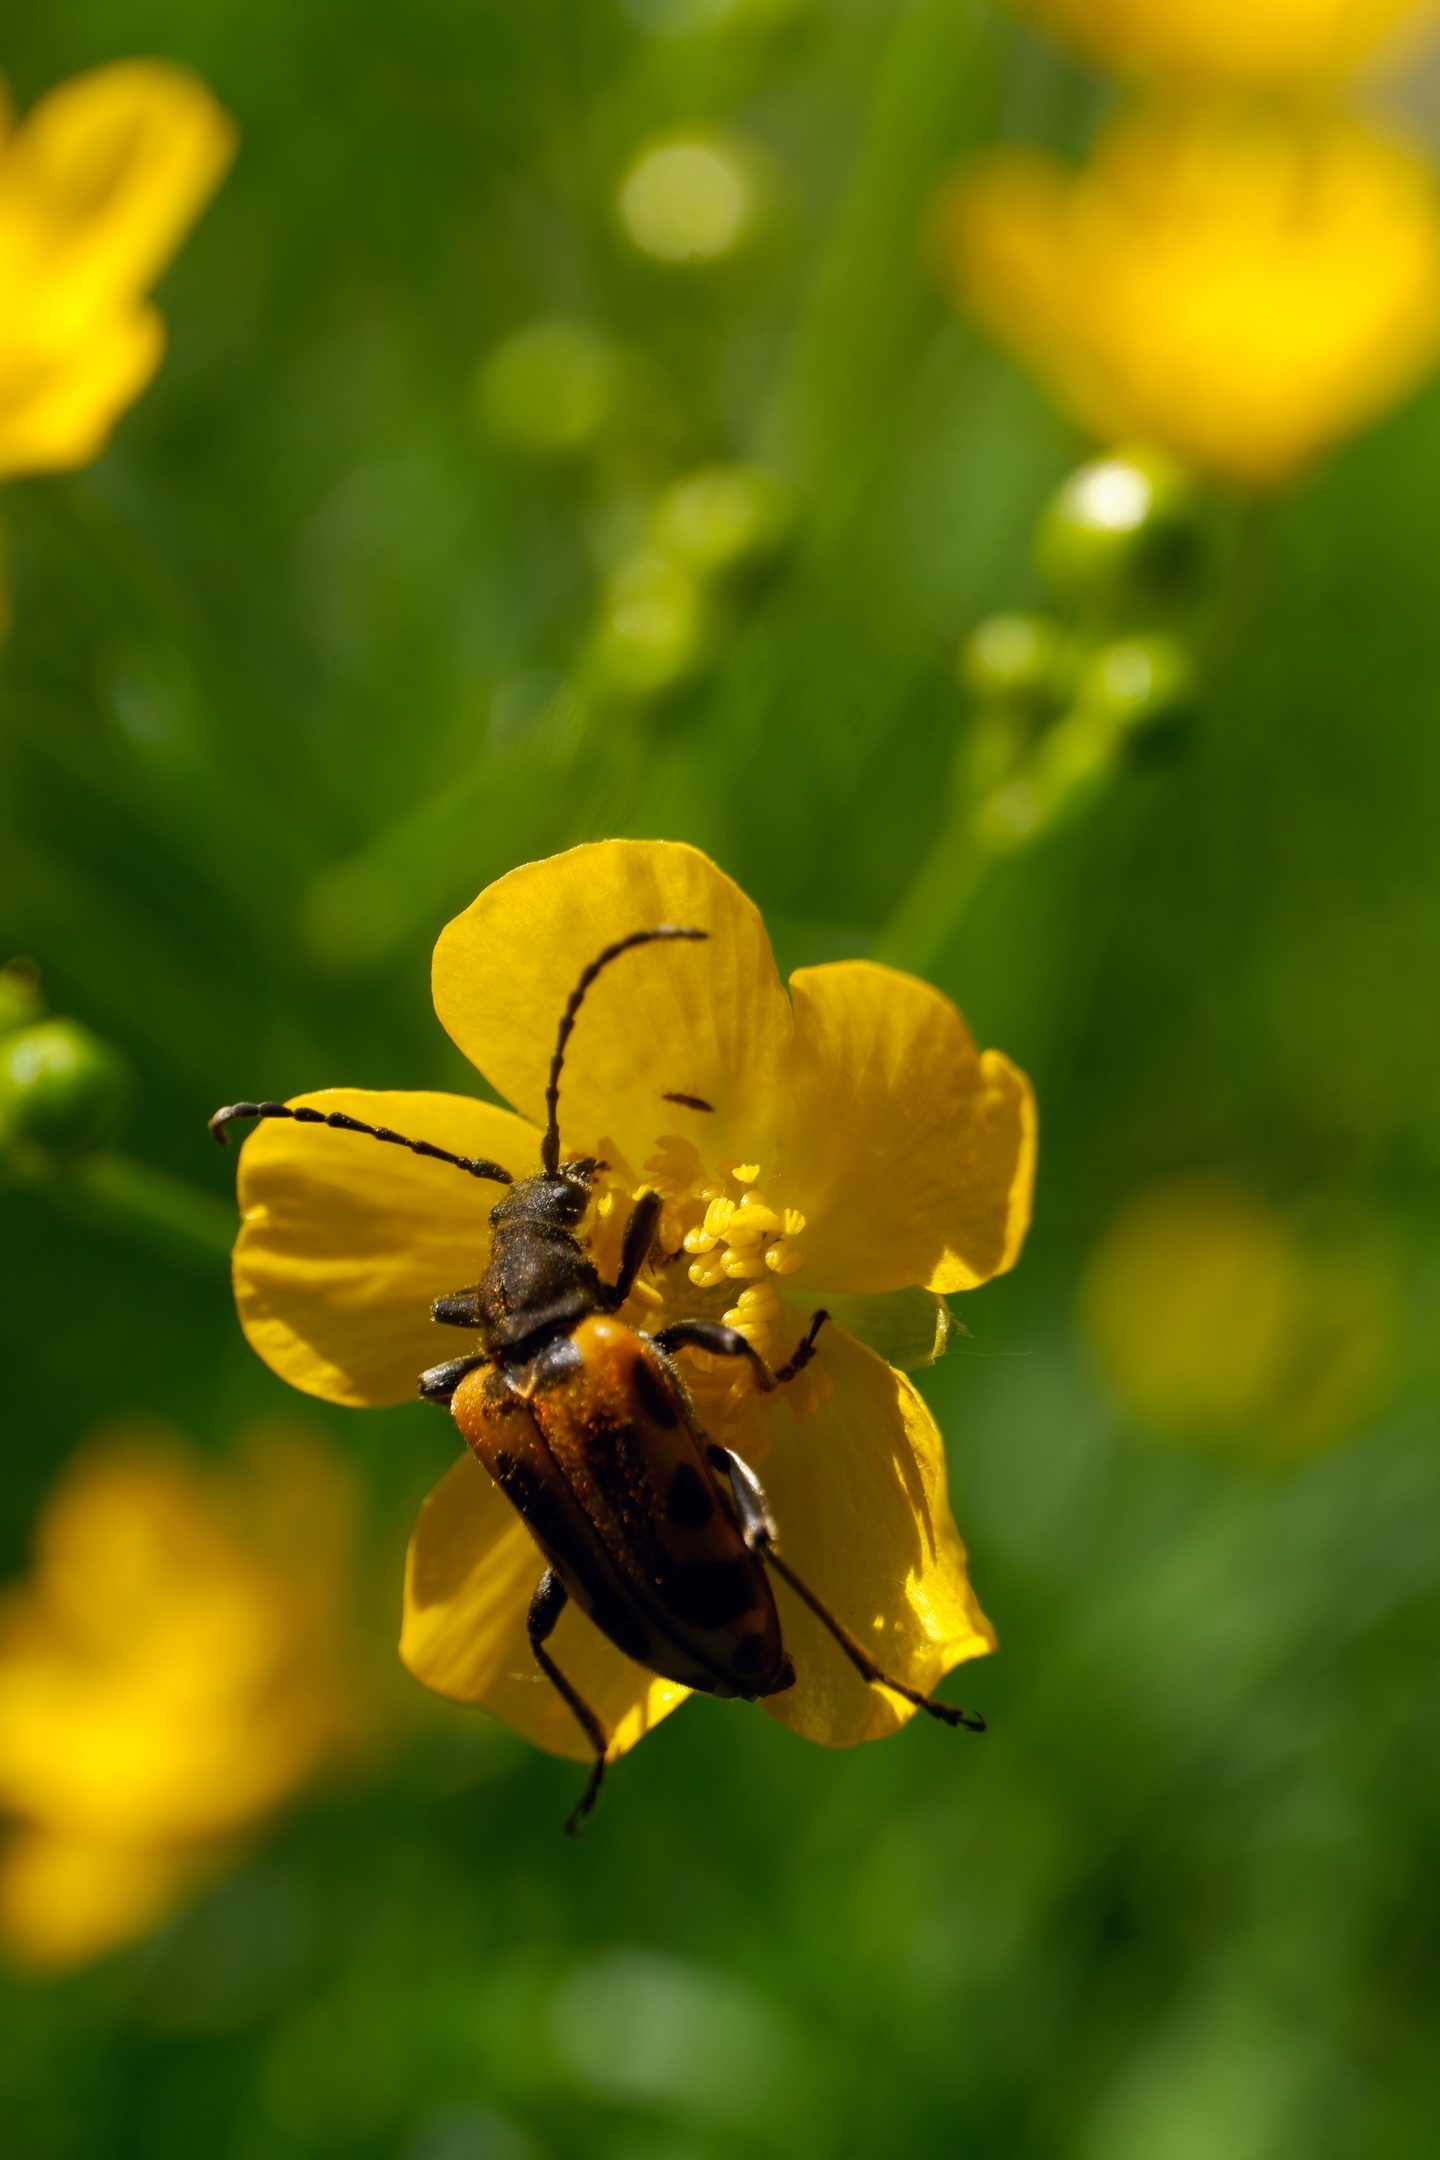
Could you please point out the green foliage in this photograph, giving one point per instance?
(306, 660)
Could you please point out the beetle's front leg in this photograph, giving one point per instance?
(757, 1527)
(459, 1308)
(639, 1237)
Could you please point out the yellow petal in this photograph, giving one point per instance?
(912, 1157)
(1242, 286)
(471, 1574)
(100, 183)
(706, 1020)
(58, 405)
(344, 1243)
(858, 1494)
(907, 1328)
(65, 1900)
(1243, 41)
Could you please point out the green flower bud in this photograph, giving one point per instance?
(1023, 663)
(1121, 535)
(61, 1088)
(722, 518)
(1144, 687)
(21, 1001)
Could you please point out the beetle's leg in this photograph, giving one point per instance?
(459, 1308)
(441, 1381)
(757, 1526)
(550, 1599)
(639, 1237)
(804, 1349)
(722, 1341)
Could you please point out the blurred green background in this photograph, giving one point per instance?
(297, 668)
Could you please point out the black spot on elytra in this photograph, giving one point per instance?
(612, 1452)
(546, 1515)
(687, 1503)
(654, 1395)
(711, 1593)
(687, 1102)
(624, 1626)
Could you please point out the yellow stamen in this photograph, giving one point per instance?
(742, 1246)
(744, 1232)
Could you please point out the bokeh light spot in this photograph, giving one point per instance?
(688, 201)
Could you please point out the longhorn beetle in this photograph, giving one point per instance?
(659, 1534)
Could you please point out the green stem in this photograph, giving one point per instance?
(936, 901)
(160, 1209)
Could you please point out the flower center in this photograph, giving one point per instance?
(720, 1253)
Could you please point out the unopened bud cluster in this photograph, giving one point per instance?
(1068, 701)
(679, 559)
(669, 597)
(63, 1092)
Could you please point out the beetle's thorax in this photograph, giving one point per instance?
(540, 1281)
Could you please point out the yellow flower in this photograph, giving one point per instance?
(1215, 1321)
(847, 1138)
(98, 186)
(175, 1666)
(1242, 287)
(1268, 42)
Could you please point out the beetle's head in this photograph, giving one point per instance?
(559, 1197)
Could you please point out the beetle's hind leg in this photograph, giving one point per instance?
(550, 1599)
(758, 1528)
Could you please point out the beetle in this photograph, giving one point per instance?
(660, 1535)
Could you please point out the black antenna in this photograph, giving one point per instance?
(474, 1165)
(550, 1145)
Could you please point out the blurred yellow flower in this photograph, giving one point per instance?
(98, 185)
(1242, 287)
(1214, 1320)
(1269, 42)
(847, 1137)
(175, 1666)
